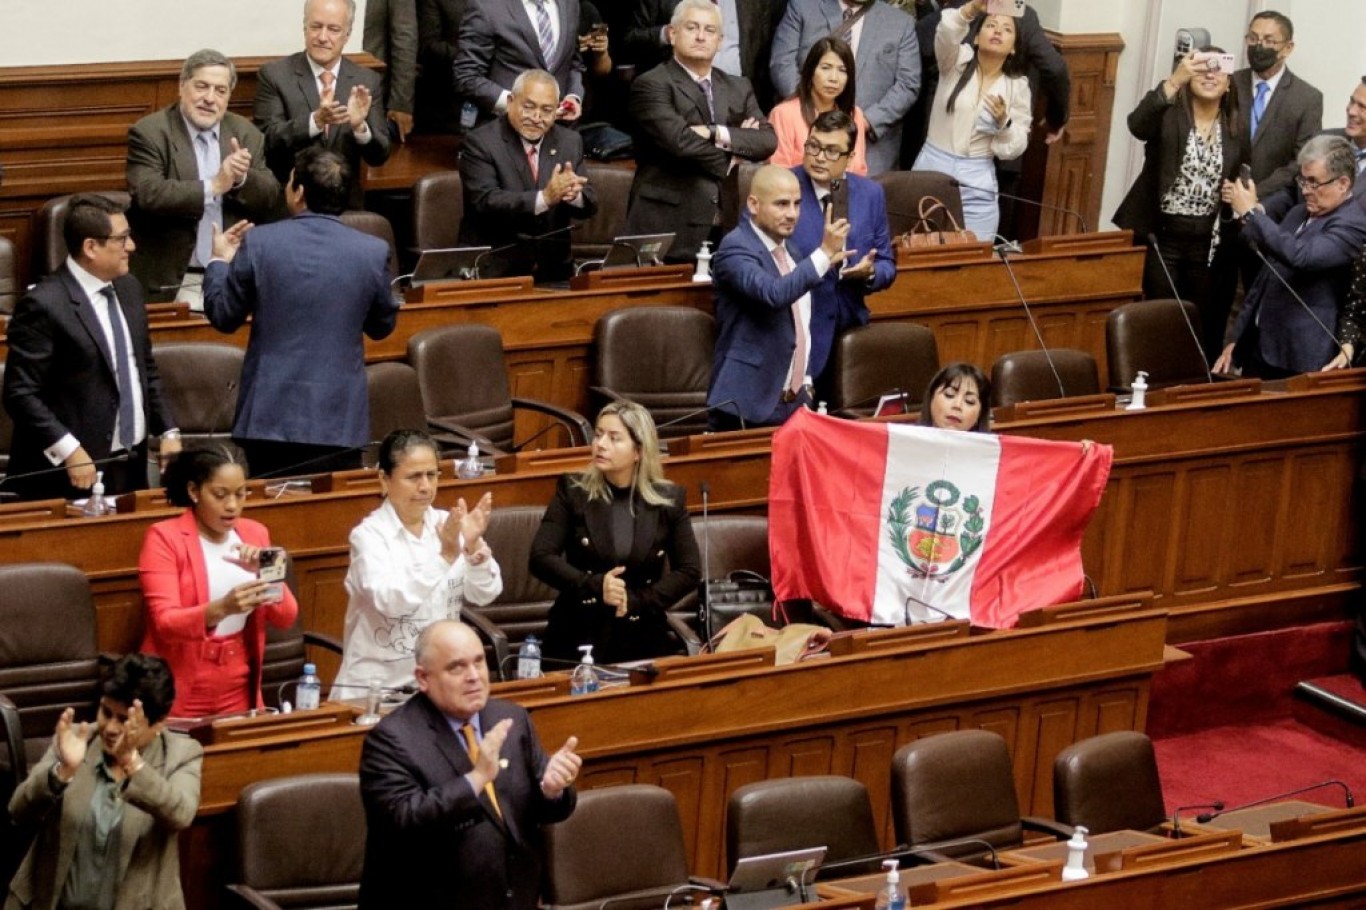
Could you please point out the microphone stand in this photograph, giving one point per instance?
(1348, 798)
(1033, 323)
(958, 184)
(1181, 304)
(1300, 300)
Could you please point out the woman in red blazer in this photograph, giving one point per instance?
(206, 609)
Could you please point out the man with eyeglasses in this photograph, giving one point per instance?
(838, 302)
(1311, 245)
(521, 178)
(81, 385)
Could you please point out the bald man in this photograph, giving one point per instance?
(760, 373)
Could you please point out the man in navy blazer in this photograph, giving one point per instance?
(838, 302)
(1312, 244)
(456, 787)
(760, 373)
(500, 39)
(312, 286)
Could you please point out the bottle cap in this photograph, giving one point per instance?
(310, 669)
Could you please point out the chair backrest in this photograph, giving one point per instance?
(955, 785)
(49, 246)
(660, 358)
(612, 183)
(395, 398)
(1028, 376)
(301, 840)
(619, 840)
(286, 651)
(904, 191)
(49, 659)
(462, 376)
(1108, 783)
(1151, 335)
(6, 429)
(523, 608)
(200, 381)
(877, 358)
(9, 277)
(438, 209)
(726, 543)
(792, 813)
(376, 225)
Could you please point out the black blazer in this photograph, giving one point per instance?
(428, 833)
(573, 549)
(1293, 115)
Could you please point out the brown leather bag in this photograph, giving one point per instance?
(929, 230)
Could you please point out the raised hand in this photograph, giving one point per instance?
(69, 741)
(561, 770)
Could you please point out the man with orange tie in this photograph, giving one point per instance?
(523, 180)
(456, 787)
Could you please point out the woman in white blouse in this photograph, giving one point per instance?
(411, 564)
(981, 110)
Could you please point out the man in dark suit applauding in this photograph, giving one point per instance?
(316, 97)
(80, 381)
(521, 181)
(312, 286)
(693, 123)
(761, 371)
(456, 787)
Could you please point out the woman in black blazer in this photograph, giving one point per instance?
(617, 544)
(1193, 144)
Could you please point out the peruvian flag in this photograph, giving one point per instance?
(896, 524)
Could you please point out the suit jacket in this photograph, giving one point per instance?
(312, 286)
(175, 590)
(1293, 115)
(679, 179)
(160, 801)
(287, 96)
(168, 196)
(391, 35)
(836, 305)
(498, 43)
(574, 548)
(755, 338)
(887, 65)
(438, 29)
(60, 377)
(500, 194)
(1317, 262)
(428, 833)
(1359, 187)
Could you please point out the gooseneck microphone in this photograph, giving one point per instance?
(705, 608)
(706, 409)
(1180, 304)
(520, 241)
(1033, 323)
(290, 470)
(61, 468)
(1217, 806)
(1266, 263)
(958, 184)
(1219, 810)
(901, 851)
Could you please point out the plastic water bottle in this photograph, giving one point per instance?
(892, 896)
(95, 504)
(1075, 870)
(529, 659)
(310, 692)
(471, 467)
(584, 681)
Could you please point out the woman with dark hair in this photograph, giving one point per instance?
(604, 542)
(957, 398)
(1192, 144)
(206, 607)
(826, 83)
(981, 110)
(108, 799)
(411, 564)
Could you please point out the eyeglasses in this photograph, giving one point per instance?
(120, 239)
(1308, 183)
(828, 152)
(1265, 41)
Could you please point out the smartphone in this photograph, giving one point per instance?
(273, 567)
(1245, 176)
(1216, 63)
(1014, 8)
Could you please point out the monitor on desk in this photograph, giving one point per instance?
(773, 880)
(636, 250)
(456, 264)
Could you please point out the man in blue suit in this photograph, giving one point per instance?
(838, 302)
(312, 285)
(760, 371)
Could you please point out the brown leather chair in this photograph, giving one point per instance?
(877, 359)
(954, 786)
(623, 845)
(301, 842)
(49, 246)
(613, 187)
(1152, 335)
(9, 277)
(200, 381)
(6, 430)
(464, 383)
(395, 398)
(1028, 376)
(794, 813)
(376, 225)
(660, 358)
(438, 208)
(904, 191)
(523, 607)
(1109, 783)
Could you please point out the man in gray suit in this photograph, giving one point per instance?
(886, 63)
(390, 35)
(501, 39)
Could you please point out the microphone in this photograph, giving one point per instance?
(553, 425)
(1298, 299)
(955, 182)
(1033, 323)
(614, 245)
(704, 609)
(520, 241)
(93, 462)
(1219, 810)
(606, 671)
(288, 471)
(229, 399)
(1181, 304)
(1217, 806)
(901, 851)
(705, 409)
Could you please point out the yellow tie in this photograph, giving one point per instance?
(472, 746)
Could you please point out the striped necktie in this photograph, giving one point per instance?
(544, 33)
(123, 368)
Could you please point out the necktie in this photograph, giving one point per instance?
(799, 355)
(705, 85)
(533, 158)
(1361, 159)
(544, 33)
(123, 369)
(206, 154)
(472, 746)
(1259, 106)
(327, 77)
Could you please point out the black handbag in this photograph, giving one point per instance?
(741, 592)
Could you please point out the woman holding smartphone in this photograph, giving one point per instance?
(206, 607)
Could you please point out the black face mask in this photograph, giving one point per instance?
(1261, 58)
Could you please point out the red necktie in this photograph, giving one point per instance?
(533, 158)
